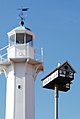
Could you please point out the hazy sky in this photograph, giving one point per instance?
(56, 24)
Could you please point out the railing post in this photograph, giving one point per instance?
(42, 54)
(2, 55)
(0, 58)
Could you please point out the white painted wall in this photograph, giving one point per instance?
(20, 101)
(10, 93)
(29, 93)
(20, 51)
(20, 91)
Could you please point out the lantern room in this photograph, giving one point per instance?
(21, 43)
(21, 35)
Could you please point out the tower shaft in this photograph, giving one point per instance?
(20, 91)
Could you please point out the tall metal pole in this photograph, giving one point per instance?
(56, 101)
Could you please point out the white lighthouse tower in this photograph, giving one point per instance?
(21, 64)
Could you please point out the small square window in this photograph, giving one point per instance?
(19, 86)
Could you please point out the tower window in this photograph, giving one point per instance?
(19, 86)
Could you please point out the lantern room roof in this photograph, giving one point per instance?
(21, 28)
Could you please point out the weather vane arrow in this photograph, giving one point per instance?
(22, 15)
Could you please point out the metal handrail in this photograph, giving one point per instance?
(38, 54)
(4, 48)
(2, 55)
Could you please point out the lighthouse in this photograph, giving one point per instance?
(20, 63)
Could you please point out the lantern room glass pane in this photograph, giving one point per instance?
(20, 38)
(28, 38)
(12, 40)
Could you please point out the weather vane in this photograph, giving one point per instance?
(22, 15)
